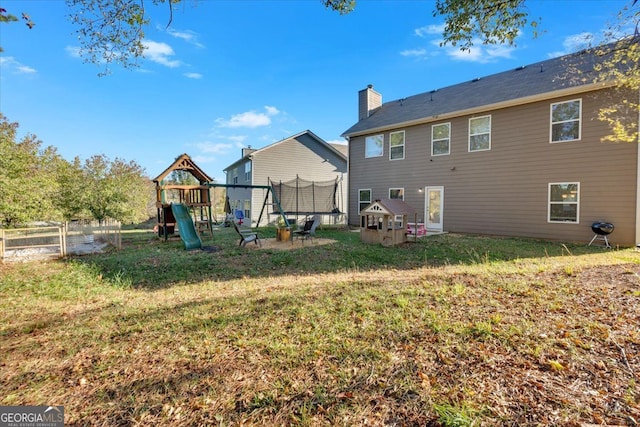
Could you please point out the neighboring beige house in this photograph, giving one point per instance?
(305, 157)
(517, 153)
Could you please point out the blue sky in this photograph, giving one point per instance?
(228, 74)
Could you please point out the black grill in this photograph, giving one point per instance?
(602, 230)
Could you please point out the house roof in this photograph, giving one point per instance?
(343, 148)
(184, 163)
(390, 207)
(568, 73)
(268, 147)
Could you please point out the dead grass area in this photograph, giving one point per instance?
(288, 245)
(550, 341)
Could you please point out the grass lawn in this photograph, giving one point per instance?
(451, 330)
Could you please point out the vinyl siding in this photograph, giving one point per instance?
(302, 156)
(504, 191)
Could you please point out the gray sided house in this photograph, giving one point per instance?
(518, 153)
(304, 156)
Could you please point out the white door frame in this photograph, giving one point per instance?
(431, 226)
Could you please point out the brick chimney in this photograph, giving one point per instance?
(368, 100)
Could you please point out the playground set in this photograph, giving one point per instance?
(186, 209)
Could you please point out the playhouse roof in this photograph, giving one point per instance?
(389, 207)
(184, 163)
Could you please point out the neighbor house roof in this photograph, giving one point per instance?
(270, 146)
(570, 74)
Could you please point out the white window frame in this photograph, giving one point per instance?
(396, 146)
(579, 120)
(247, 209)
(401, 189)
(448, 139)
(550, 203)
(483, 133)
(360, 202)
(372, 138)
(247, 171)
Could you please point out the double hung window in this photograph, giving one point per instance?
(564, 202)
(480, 133)
(565, 121)
(440, 139)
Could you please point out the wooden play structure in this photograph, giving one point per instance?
(385, 221)
(195, 197)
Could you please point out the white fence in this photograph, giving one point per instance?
(77, 237)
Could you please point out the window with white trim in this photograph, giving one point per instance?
(396, 145)
(480, 133)
(247, 209)
(396, 193)
(364, 199)
(247, 171)
(440, 139)
(374, 146)
(235, 176)
(566, 121)
(564, 202)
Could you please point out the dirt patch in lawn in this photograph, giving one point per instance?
(288, 245)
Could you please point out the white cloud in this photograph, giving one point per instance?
(193, 75)
(73, 51)
(478, 52)
(429, 30)
(160, 53)
(214, 147)
(272, 111)
(206, 159)
(187, 35)
(9, 62)
(414, 52)
(249, 119)
(238, 140)
(574, 43)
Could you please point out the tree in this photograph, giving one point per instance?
(6, 17)
(490, 21)
(28, 182)
(116, 189)
(621, 64)
(73, 196)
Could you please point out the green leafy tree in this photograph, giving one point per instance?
(73, 195)
(489, 21)
(116, 189)
(180, 177)
(621, 65)
(28, 184)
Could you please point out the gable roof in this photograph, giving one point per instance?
(389, 207)
(343, 148)
(297, 135)
(184, 163)
(572, 73)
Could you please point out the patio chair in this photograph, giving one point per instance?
(247, 236)
(309, 229)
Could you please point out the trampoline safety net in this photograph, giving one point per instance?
(300, 196)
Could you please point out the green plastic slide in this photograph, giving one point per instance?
(188, 231)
